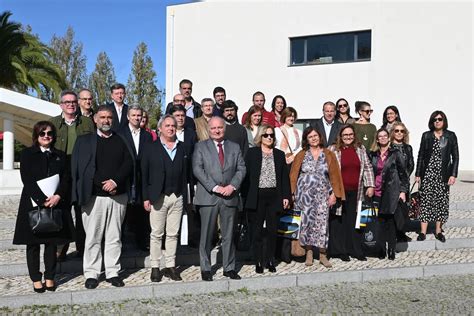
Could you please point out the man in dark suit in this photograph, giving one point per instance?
(219, 169)
(234, 131)
(136, 139)
(328, 126)
(101, 169)
(193, 108)
(118, 107)
(165, 177)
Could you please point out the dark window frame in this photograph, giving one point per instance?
(305, 62)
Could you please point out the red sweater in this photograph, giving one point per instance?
(350, 169)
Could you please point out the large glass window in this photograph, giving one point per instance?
(331, 48)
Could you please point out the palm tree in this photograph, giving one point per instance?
(25, 61)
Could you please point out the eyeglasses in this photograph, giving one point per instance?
(268, 135)
(348, 135)
(399, 131)
(69, 102)
(367, 111)
(343, 105)
(438, 119)
(86, 99)
(48, 133)
(382, 136)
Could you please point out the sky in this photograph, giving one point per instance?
(113, 26)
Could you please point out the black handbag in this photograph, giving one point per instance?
(242, 233)
(45, 220)
(401, 216)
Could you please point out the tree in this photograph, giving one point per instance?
(141, 85)
(102, 78)
(67, 54)
(25, 61)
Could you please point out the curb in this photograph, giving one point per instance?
(202, 287)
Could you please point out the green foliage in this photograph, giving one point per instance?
(102, 78)
(141, 85)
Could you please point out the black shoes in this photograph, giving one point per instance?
(91, 283)
(206, 275)
(344, 258)
(361, 258)
(382, 254)
(42, 289)
(115, 281)
(259, 268)
(403, 238)
(50, 288)
(232, 274)
(440, 237)
(156, 275)
(391, 254)
(271, 267)
(172, 274)
(421, 237)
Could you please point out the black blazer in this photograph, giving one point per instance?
(189, 140)
(83, 167)
(135, 196)
(153, 171)
(394, 179)
(319, 125)
(253, 163)
(116, 125)
(449, 154)
(36, 165)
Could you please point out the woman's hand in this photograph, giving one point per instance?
(417, 179)
(403, 196)
(289, 159)
(451, 180)
(52, 201)
(332, 200)
(286, 203)
(369, 192)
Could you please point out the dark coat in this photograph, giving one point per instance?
(116, 125)
(135, 191)
(394, 180)
(34, 166)
(253, 163)
(237, 133)
(407, 153)
(449, 154)
(153, 170)
(188, 121)
(83, 167)
(327, 139)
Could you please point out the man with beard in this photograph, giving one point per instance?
(101, 169)
(234, 131)
(219, 97)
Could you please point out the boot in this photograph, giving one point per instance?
(309, 257)
(323, 258)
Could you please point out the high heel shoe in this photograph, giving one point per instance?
(42, 289)
(391, 254)
(271, 267)
(51, 288)
(259, 268)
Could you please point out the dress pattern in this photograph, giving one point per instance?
(434, 193)
(312, 192)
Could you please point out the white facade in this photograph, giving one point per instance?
(421, 61)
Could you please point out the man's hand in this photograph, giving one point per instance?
(227, 190)
(109, 185)
(147, 205)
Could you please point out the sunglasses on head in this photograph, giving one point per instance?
(438, 119)
(268, 135)
(48, 133)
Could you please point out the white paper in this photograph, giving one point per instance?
(184, 230)
(48, 186)
(359, 208)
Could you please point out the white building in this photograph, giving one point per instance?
(420, 57)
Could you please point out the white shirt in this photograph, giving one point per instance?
(217, 147)
(180, 135)
(135, 137)
(291, 139)
(327, 127)
(189, 110)
(119, 111)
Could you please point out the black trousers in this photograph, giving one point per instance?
(33, 261)
(344, 238)
(139, 222)
(387, 229)
(80, 233)
(267, 207)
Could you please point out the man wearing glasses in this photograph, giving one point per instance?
(69, 126)
(85, 104)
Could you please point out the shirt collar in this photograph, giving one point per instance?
(103, 135)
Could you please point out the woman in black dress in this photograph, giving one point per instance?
(436, 171)
(38, 162)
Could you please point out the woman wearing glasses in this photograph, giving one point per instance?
(399, 138)
(358, 179)
(364, 130)
(316, 184)
(390, 116)
(38, 162)
(391, 185)
(436, 171)
(343, 112)
(266, 190)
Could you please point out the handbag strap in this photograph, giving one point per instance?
(413, 186)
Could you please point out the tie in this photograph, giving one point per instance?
(221, 154)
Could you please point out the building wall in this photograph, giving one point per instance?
(421, 57)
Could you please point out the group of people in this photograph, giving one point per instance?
(202, 162)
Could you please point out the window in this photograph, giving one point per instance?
(331, 48)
